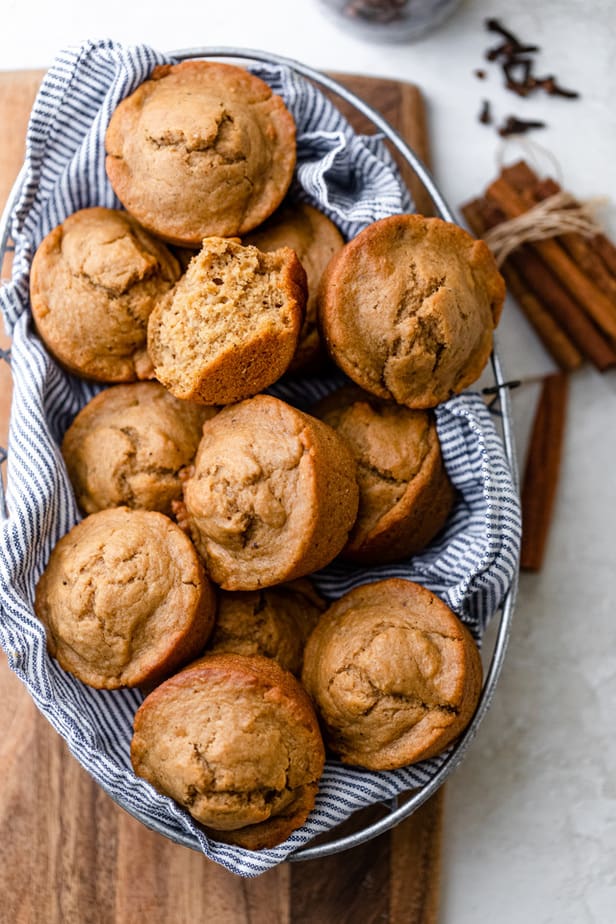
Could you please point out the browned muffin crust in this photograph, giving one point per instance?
(408, 307)
(315, 239)
(126, 447)
(405, 495)
(274, 622)
(235, 740)
(272, 497)
(230, 328)
(93, 284)
(201, 148)
(124, 599)
(394, 675)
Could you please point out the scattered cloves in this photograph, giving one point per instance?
(517, 64)
(512, 54)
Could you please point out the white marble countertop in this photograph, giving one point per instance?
(531, 813)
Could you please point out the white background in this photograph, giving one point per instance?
(530, 832)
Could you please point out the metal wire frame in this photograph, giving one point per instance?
(396, 813)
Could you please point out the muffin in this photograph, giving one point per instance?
(127, 446)
(405, 495)
(234, 740)
(394, 675)
(124, 599)
(315, 239)
(230, 328)
(93, 284)
(272, 496)
(200, 149)
(274, 622)
(408, 307)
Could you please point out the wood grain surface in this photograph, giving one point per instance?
(69, 855)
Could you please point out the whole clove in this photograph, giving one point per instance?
(510, 50)
(516, 126)
(494, 25)
(485, 115)
(554, 89)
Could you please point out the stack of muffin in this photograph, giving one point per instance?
(209, 503)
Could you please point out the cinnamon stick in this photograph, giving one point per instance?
(588, 295)
(556, 299)
(527, 183)
(520, 175)
(555, 340)
(606, 250)
(579, 247)
(542, 470)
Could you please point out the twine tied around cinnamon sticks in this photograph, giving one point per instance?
(559, 214)
(561, 269)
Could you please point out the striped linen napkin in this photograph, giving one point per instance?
(471, 565)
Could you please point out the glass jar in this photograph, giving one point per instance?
(389, 20)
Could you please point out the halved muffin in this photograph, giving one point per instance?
(230, 327)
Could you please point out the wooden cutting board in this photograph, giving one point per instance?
(69, 855)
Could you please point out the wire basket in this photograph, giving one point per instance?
(394, 812)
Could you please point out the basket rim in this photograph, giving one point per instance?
(397, 813)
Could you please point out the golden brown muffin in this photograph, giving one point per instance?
(405, 495)
(315, 239)
(124, 599)
(201, 148)
(407, 309)
(272, 496)
(394, 674)
(230, 328)
(274, 622)
(235, 740)
(127, 445)
(93, 284)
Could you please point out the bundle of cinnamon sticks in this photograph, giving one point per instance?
(566, 285)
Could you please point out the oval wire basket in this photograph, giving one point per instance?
(501, 404)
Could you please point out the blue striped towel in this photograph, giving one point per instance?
(471, 565)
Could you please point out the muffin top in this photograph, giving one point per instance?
(404, 493)
(124, 599)
(315, 239)
(272, 496)
(394, 674)
(274, 622)
(93, 284)
(235, 740)
(408, 307)
(201, 148)
(230, 327)
(127, 446)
